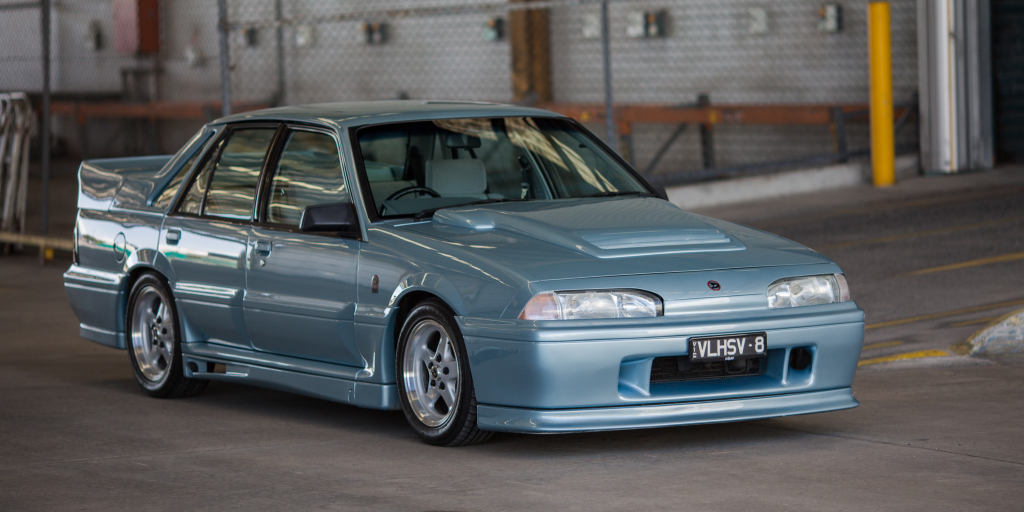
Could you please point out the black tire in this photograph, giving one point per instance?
(157, 367)
(458, 426)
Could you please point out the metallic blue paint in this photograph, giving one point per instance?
(305, 318)
(508, 419)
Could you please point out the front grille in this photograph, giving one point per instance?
(679, 369)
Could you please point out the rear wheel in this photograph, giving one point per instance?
(154, 344)
(434, 383)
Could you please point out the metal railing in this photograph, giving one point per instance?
(15, 130)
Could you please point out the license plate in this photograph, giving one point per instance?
(728, 348)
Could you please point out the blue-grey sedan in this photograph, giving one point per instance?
(481, 267)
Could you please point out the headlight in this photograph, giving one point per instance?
(808, 291)
(592, 304)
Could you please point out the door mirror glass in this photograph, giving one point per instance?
(340, 217)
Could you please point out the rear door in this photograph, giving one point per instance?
(205, 238)
(300, 294)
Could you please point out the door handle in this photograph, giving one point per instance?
(264, 247)
(173, 236)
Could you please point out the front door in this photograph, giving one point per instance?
(206, 237)
(300, 294)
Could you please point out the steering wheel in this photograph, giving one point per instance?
(412, 190)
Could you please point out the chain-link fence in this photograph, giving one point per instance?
(715, 86)
(93, 64)
(700, 88)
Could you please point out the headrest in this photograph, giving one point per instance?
(463, 177)
(461, 141)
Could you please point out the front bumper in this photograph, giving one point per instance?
(556, 377)
(512, 419)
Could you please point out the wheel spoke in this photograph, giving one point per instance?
(423, 377)
(442, 348)
(424, 354)
(449, 392)
(157, 354)
(453, 370)
(145, 318)
(431, 395)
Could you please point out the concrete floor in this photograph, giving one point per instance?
(938, 433)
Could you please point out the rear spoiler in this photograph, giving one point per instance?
(122, 182)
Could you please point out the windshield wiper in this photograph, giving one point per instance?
(429, 212)
(614, 194)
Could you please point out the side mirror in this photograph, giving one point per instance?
(340, 217)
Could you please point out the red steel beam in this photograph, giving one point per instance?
(807, 115)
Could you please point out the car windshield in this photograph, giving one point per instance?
(417, 168)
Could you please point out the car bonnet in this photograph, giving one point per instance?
(565, 239)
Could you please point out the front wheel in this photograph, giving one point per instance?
(154, 344)
(434, 384)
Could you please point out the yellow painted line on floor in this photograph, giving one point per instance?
(973, 322)
(883, 344)
(901, 357)
(928, 232)
(972, 263)
(943, 314)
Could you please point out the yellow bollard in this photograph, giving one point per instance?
(883, 146)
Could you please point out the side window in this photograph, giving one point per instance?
(165, 197)
(308, 173)
(193, 202)
(226, 185)
(233, 184)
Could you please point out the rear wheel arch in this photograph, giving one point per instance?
(133, 277)
(154, 340)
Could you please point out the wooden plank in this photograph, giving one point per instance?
(66, 244)
(529, 41)
(519, 47)
(540, 54)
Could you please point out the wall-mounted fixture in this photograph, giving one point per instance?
(646, 24)
(250, 37)
(192, 55)
(305, 35)
(494, 30)
(375, 32)
(758, 20)
(830, 18)
(93, 39)
(592, 25)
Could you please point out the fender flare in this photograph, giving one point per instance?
(433, 283)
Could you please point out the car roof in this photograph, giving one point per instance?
(348, 114)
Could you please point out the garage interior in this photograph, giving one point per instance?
(754, 112)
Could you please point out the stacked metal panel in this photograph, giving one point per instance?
(15, 130)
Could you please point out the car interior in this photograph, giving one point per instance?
(434, 164)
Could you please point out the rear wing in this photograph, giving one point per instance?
(126, 183)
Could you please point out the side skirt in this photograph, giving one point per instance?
(201, 363)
